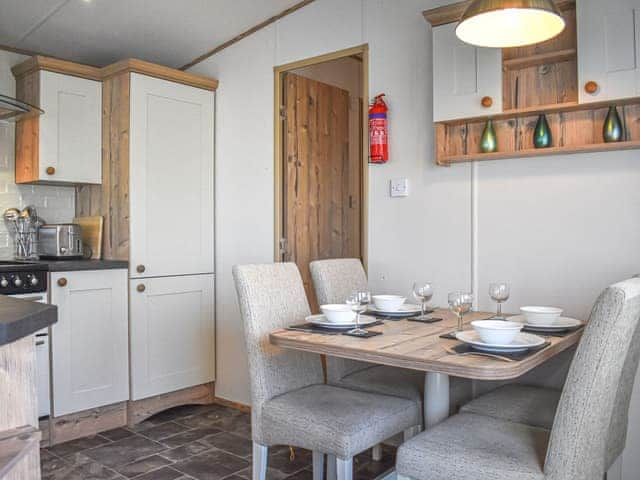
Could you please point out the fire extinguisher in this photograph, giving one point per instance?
(378, 131)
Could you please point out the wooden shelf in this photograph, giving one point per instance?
(539, 152)
(540, 59)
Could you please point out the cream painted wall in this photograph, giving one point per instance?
(558, 228)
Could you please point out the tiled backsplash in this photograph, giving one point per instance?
(54, 204)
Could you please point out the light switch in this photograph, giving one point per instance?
(399, 187)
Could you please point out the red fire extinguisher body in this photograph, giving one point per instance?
(378, 131)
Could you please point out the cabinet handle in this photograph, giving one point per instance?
(591, 87)
(141, 288)
(62, 282)
(140, 268)
(486, 102)
(50, 170)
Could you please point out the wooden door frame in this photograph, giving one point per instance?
(278, 163)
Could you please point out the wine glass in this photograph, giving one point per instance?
(423, 291)
(499, 292)
(460, 303)
(358, 302)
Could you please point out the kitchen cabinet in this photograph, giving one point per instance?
(608, 49)
(171, 178)
(467, 80)
(89, 344)
(172, 334)
(63, 145)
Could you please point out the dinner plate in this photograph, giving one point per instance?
(321, 321)
(563, 323)
(405, 310)
(523, 342)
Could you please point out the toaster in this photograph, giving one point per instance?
(60, 241)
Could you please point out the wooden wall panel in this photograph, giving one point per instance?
(28, 130)
(111, 199)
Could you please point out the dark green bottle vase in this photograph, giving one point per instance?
(612, 129)
(489, 140)
(542, 133)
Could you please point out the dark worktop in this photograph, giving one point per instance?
(19, 318)
(76, 265)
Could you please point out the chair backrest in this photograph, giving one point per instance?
(333, 281)
(272, 296)
(598, 388)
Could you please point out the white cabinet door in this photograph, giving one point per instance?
(463, 75)
(89, 343)
(608, 48)
(171, 175)
(172, 334)
(70, 128)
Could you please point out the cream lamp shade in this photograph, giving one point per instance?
(509, 23)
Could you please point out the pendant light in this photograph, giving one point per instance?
(509, 23)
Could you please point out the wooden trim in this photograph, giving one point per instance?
(235, 405)
(87, 422)
(246, 33)
(452, 13)
(20, 51)
(279, 72)
(159, 71)
(139, 410)
(39, 62)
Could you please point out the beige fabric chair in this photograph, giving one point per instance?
(290, 404)
(590, 419)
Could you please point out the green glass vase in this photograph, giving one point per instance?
(612, 129)
(542, 133)
(489, 140)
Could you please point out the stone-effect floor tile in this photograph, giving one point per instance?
(280, 459)
(188, 450)
(78, 445)
(164, 473)
(272, 474)
(302, 475)
(124, 451)
(50, 463)
(238, 424)
(212, 465)
(117, 434)
(143, 465)
(85, 471)
(188, 436)
(231, 443)
(163, 430)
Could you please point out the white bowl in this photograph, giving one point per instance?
(388, 303)
(497, 332)
(541, 315)
(338, 313)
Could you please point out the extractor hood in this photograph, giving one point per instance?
(12, 110)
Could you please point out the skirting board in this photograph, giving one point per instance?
(85, 423)
(139, 410)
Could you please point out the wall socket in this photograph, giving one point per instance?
(399, 187)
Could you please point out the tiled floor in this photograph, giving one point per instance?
(193, 442)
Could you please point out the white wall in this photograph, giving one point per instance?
(54, 204)
(559, 228)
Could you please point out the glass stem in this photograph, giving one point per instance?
(422, 309)
(499, 315)
(460, 321)
(358, 320)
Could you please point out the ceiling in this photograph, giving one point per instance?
(99, 32)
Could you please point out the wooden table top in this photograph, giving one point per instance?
(417, 346)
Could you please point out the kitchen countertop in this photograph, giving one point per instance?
(76, 265)
(19, 318)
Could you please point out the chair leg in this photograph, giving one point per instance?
(376, 452)
(331, 467)
(318, 465)
(411, 432)
(344, 469)
(259, 462)
(402, 477)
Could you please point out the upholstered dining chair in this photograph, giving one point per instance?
(586, 431)
(290, 404)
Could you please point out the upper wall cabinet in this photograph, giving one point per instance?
(63, 145)
(608, 49)
(467, 81)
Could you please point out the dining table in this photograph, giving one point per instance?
(419, 346)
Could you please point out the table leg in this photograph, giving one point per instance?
(436, 398)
